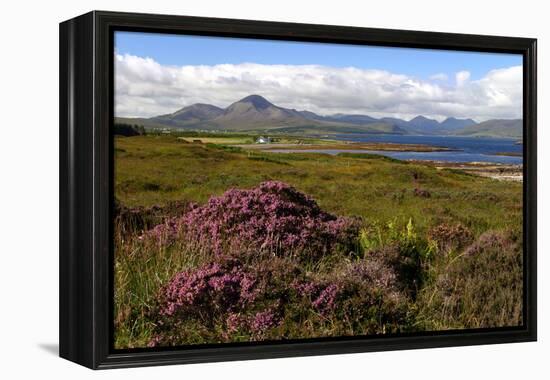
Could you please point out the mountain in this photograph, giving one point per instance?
(197, 112)
(424, 126)
(256, 113)
(512, 128)
(373, 128)
(452, 124)
(311, 115)
(343, 118)
(189, 115)
(352, 119)
(395, 121)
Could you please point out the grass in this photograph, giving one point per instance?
(220, 140)
(154, 172)
(243, 139)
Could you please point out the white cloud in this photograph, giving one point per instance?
(145, 88)
(462, 78)
(439, 76)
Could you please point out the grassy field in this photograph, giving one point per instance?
(219, 140)
(402, 206)
(251, 139)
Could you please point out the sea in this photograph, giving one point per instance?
(465, 149)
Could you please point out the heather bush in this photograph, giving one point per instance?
(223, 298)
(228, 300)
(364, 298)
(447, 237)
(273, 217)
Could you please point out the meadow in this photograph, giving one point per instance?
(216, 243)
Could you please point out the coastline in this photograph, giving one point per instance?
(500, 172)
(494, 170)
(346, 145)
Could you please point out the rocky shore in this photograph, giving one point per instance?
(501, 172)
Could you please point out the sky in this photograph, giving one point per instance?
(158, 74)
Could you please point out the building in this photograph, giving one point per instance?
(263, 140)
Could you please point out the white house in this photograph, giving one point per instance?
(263, 140)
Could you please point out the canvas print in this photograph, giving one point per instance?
(269, 191)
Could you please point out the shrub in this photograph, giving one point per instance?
(450, 237)
(273, 217)
(229, 300)
(222, 297)
(362, 299)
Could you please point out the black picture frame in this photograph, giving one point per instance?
(86, 186)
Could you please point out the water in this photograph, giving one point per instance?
(470, 149)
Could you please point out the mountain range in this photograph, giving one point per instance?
(255, 113)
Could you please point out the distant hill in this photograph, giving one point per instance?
(256, 113)
(395, 121)
(373, 128)
(453, 124)
(190, 115)
(424, 126)
(512, 128)
(353, 119)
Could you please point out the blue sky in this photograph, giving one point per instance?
(197, 50)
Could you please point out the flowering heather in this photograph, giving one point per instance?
(326, 300)
(165, 233)
(263, 321)
(359, 286)
(273, 217)
(374, 272)
(232, 299)
(217, 287)
(234, 322)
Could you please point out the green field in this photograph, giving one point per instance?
(155, 170)
(155, 175)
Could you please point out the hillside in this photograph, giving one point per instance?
(254, 112)
(494, 128)
(190, 115)
(452, 123)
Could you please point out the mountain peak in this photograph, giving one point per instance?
(453, 123)
(257, 101)
(421, 118)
